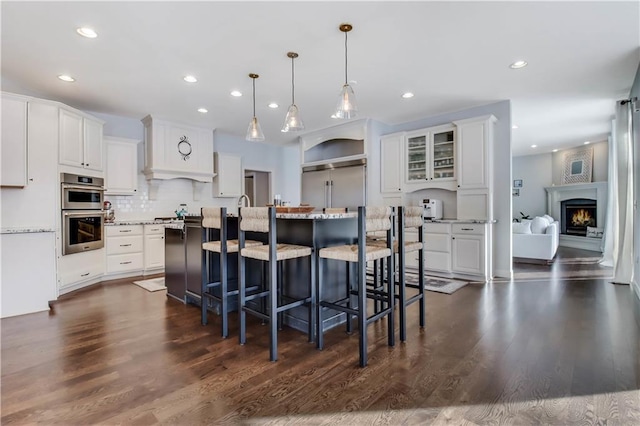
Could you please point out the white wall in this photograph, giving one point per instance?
(282, 162)
(535, 171)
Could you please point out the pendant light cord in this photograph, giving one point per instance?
(254, 97)
(293, 84)
(345, 59)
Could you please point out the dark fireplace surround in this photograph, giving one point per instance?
(576, 215)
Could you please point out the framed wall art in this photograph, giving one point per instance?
(578, 166)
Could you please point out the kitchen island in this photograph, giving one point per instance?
(316, 230)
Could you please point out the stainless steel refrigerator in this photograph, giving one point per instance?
(335, 185)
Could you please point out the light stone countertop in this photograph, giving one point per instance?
(316, 215)
(477, 221)
(25, 230)
(144, 222)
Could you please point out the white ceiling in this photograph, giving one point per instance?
(582, 57)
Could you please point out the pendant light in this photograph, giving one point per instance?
(347, 107)
(292, 121)
(254, 132)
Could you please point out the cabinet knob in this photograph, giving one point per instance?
(87, 164)
(458, 186)
(82, 164)
(453, 238)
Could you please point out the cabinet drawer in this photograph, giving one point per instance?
(120, 230)
(124, 262)
(438, 242)
(436, 228)
(154, 229)
(436, 261)
(78, 275)
(122, 245)
(468, 228)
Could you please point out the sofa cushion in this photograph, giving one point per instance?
(521, 228)
(539, 225)
(549, 218)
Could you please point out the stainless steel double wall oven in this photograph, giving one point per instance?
(82, 214)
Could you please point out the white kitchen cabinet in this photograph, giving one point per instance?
(121, 171)
(437, 246)
(391, 157)
(28, 280)
(430, 158)
(80, 141)
(14, 141)
(153, 248)
(469, 249)
(228, 180)
(80, 269)
(124, 248)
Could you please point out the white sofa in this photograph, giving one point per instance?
(537, 238)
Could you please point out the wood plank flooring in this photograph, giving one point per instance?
(553, 352)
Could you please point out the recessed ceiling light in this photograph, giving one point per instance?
(534, 146)
(515, 126)
(67, 78)
(236, 93)
(87, 32)
(273, 105)
(203, 110)
(190, 79)
(555, 150)
(587, 143)
(518, 64)
(407, 95)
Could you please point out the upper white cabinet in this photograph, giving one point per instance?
(475, 177)
(430, 158)
(121, 171)
(14, 141)
(474, 152)
(228, 181)
(391, 163)
(80, 141)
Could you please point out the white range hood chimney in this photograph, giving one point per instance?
(174, 151)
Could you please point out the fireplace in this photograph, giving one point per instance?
(576, 215)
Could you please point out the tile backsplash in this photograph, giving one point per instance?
(171, 193)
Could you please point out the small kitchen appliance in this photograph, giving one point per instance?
(432, 208)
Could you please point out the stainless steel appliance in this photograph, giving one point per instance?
(335, 185)
(81, 192)
(82, 214)
(432, 208)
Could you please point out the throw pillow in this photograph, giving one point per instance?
(521, 228)
(549, 218)
(538, 225)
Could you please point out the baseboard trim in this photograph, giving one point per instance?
(503, 273)
(635, 286)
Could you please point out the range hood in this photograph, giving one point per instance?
(177, 151)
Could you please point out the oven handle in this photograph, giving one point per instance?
(83, 213)
(85, 187)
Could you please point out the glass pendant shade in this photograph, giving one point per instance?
(292, 121)
(347, 106)
(254, 132)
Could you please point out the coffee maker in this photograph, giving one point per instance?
(432, 208)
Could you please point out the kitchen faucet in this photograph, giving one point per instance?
(246, 197)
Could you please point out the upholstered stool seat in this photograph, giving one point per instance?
(232, 245)
(370, 219)
(283, 252)
(409, 246)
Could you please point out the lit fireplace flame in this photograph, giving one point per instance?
(581, 218)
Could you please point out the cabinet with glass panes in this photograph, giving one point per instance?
(430, 158)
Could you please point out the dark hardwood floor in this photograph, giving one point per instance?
(553, 352)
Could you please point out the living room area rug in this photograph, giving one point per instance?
(154, 284)
(437, 284)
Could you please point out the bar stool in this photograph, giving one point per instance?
(263, 220)
(369, 219)
(214, 218)
(408, 217)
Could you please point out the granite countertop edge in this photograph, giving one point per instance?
(143, 222)
(26, 230)
(478, 221)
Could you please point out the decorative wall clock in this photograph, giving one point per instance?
(184, 148)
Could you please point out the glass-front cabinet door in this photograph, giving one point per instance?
(417, 161)
(443, 158)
